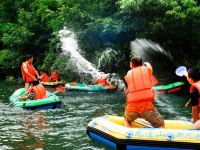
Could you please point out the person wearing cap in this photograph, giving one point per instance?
(36, 91)
(139, 101)
(28, 71)
(193, 77)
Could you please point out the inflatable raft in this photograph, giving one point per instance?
(169, 88)
(52, 101)
(53, 84)
(80, 87)
(111, 131)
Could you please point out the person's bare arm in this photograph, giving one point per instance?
(36, 72)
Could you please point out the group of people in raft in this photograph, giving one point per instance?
(140, 94)
(34, 89)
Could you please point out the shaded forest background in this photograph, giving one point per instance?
(32, 26)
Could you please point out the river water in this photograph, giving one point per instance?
(65, 128)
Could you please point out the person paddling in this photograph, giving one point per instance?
(140, 94)
(28, 71)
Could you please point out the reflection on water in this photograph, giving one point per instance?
(34, 124)
(65, 128)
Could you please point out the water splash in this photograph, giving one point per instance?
(108, 58)
(139, 47)
(161, 60)
(70, 47)
(114, 79)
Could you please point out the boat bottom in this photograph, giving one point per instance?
(45, 106)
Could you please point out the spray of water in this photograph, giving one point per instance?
(161, 60)
(70, 47)
(139, 46)
(108, 56)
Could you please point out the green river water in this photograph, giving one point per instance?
(65, 128)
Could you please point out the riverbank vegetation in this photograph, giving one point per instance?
(32, 26)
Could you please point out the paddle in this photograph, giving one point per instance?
(187, 103)
(56, 92)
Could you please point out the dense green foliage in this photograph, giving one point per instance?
(31, 26)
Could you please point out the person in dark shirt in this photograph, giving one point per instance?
(193, 77)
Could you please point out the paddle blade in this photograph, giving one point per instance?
(180, 71)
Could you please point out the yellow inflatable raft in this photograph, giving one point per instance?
(111, 131)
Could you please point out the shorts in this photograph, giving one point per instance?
(152, 116)
(31, 96)
(28, 82)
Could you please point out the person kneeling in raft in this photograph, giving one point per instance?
(36, 91)
(139, 101)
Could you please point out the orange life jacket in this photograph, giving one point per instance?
(31, 70)
(45, 77)
(101, 81)
(40, 91)
(139, 85)
(197, 86)
(54, 76)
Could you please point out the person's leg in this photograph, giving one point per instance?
(129, 117)
(27, 86)
(23, 97)
(154, 118)
(196, 125)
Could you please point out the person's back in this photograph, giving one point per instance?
(103, 80)
(139, 85)
(54, 76)
(44, 77)
(38, 91)
(140, 95)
